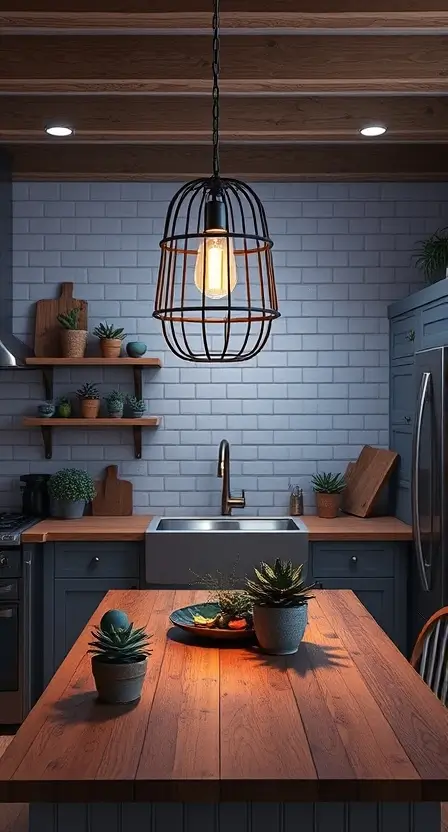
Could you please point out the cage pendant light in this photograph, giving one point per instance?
(216, 295)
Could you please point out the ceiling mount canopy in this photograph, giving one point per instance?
(216, 295)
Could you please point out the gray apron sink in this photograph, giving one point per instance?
(180, 551)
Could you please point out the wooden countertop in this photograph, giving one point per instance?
(133, 528)
(346, 718)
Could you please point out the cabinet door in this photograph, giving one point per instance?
(376, 595)
(75, 600)
(402, 394)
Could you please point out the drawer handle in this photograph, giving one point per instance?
(95, 559)
(410, 336)
(407, 419)
(5, 589)
(354, 559)
(6, 613)
(3, 561)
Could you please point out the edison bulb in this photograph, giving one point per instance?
(215, 266)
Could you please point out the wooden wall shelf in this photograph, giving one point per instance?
(47, 366)
(47, 425)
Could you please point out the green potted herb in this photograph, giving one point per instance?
(46, 410)
(111, 339)
(89, 398)
(70, 489)
(64, 407)
(279, 597)
(328, 489)
(136, 407)
(114, 403)
(73, 339)
(432, 256)
(120, 658)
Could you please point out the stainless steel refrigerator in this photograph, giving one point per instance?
(429, 487)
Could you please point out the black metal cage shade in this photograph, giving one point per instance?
(216, 295)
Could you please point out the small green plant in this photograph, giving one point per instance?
(72, 485)
(279, 585)
(115, 398)
(46, 408)
(120, 645)
(88, 391)
(70, 319)
(432, 256)
(64, 407)
(137, 406)
(108, 332)
(328, 483)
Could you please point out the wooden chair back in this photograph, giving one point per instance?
(430, 654)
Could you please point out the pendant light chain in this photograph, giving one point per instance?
(216, 68)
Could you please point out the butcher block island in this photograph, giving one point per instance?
(341, 737)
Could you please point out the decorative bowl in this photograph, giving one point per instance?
(184, 618)
(135, 349)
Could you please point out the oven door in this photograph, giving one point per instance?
(10, 648)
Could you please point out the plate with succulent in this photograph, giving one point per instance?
(226, 615)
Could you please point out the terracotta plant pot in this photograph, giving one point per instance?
(90, 408)
(328, 505)
(119, 683)
(110, 347)
(73, 343)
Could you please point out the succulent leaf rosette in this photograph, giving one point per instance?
(328, 483)
(279, 585)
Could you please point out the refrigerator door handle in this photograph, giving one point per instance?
(415, 495)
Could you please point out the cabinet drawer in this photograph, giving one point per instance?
(352, 560)
(84, 560)
(403, 336)
(434, 324)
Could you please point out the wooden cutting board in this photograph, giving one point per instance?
(113, 497)
(47, 330)
(365, 478)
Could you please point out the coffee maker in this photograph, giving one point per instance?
(35, 497)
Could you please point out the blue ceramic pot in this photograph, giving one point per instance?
(135, 349)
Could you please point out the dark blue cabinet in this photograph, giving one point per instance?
(77, 576)
(375, 571)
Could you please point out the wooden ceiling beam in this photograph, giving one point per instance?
(145, 63)
(252, 162)
(143, 118)
(267, 15)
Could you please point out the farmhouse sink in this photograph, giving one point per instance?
(180, 551)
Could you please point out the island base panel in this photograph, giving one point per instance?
(240, 817)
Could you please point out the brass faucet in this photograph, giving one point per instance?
(227, 501)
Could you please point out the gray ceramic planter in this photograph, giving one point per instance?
(67, 509)
(280, 630)
(118, 683)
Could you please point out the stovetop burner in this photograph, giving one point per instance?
(12, 524)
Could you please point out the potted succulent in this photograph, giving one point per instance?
(136, 407)
(64, 407)
(279, 599)
(73, 339)
(120, 658)
(89, 397)
(111, 339)
(432, 256)
(328, 489)
(70, 489)
(46, 410)
(114, 403)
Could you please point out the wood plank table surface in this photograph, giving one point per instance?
(341, 528)
(345, 720)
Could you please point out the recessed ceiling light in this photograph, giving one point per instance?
(59, 130)
(373, 130)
